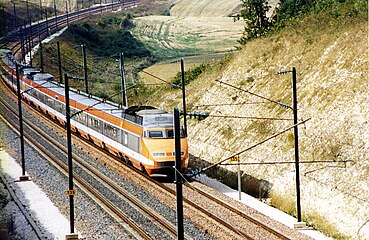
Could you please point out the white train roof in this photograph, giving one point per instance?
(145, 116)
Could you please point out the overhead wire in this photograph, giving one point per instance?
(247, 117)
(257, 95)
(226, 104)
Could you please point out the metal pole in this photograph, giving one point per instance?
(59, 63)
(56, 17)
(4, 32)
(23, 51)
(66, 9)
(178, 177)
(70, 163)
(184, 97)
(23, 177)
(296, 137)
(38, 31)
(41, 9)
(41, 58)
(47, 23)
(239, 179)
(85, 66)
(124, 84)
(28, 19)
(15, 16)
(30, 45)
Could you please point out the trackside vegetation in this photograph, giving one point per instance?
(257, 23)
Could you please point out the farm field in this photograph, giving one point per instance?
(196, 29)
(167, 69)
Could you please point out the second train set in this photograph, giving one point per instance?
(139, 135)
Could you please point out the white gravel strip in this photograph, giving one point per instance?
(35, 200)
(261, 207)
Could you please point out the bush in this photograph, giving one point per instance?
(191, 74)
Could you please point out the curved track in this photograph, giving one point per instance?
(40, 31)
(88, 186)
(234, 228)
(23, 39)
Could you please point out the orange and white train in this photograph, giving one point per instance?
(139, 135)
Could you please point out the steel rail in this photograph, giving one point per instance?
(40, 29)
(20, 205)
(238, 212)
(172, 192)
(82, 183)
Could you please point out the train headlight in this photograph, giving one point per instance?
(159, 154)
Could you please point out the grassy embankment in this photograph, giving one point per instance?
(105, 38)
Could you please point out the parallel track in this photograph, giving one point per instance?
(34, 33)
(62, 21)
(169, 190)
(88, 188)
(32, 223)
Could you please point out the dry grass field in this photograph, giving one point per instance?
(189, 33)
(205, 8)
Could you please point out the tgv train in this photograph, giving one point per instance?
(139, 135)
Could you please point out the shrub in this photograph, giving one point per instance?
(191, 74)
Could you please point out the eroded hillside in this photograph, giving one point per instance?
(191, 28)
(332, 87)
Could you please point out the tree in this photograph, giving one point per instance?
(254, 13)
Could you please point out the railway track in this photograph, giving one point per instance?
(15, 199)
(234, 229)
(22, 40)
(239, 227)
(146, 214)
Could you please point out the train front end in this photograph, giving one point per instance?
(158, 143)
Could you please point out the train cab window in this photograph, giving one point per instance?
(156, 134)
(170, 133)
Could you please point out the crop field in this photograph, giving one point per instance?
(170, 36)
(205, 8)
(194, 28)
(166, 70)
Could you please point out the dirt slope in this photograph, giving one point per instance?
(332, 65)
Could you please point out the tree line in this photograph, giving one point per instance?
(259, 20)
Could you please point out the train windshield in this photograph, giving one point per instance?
(161, 133)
